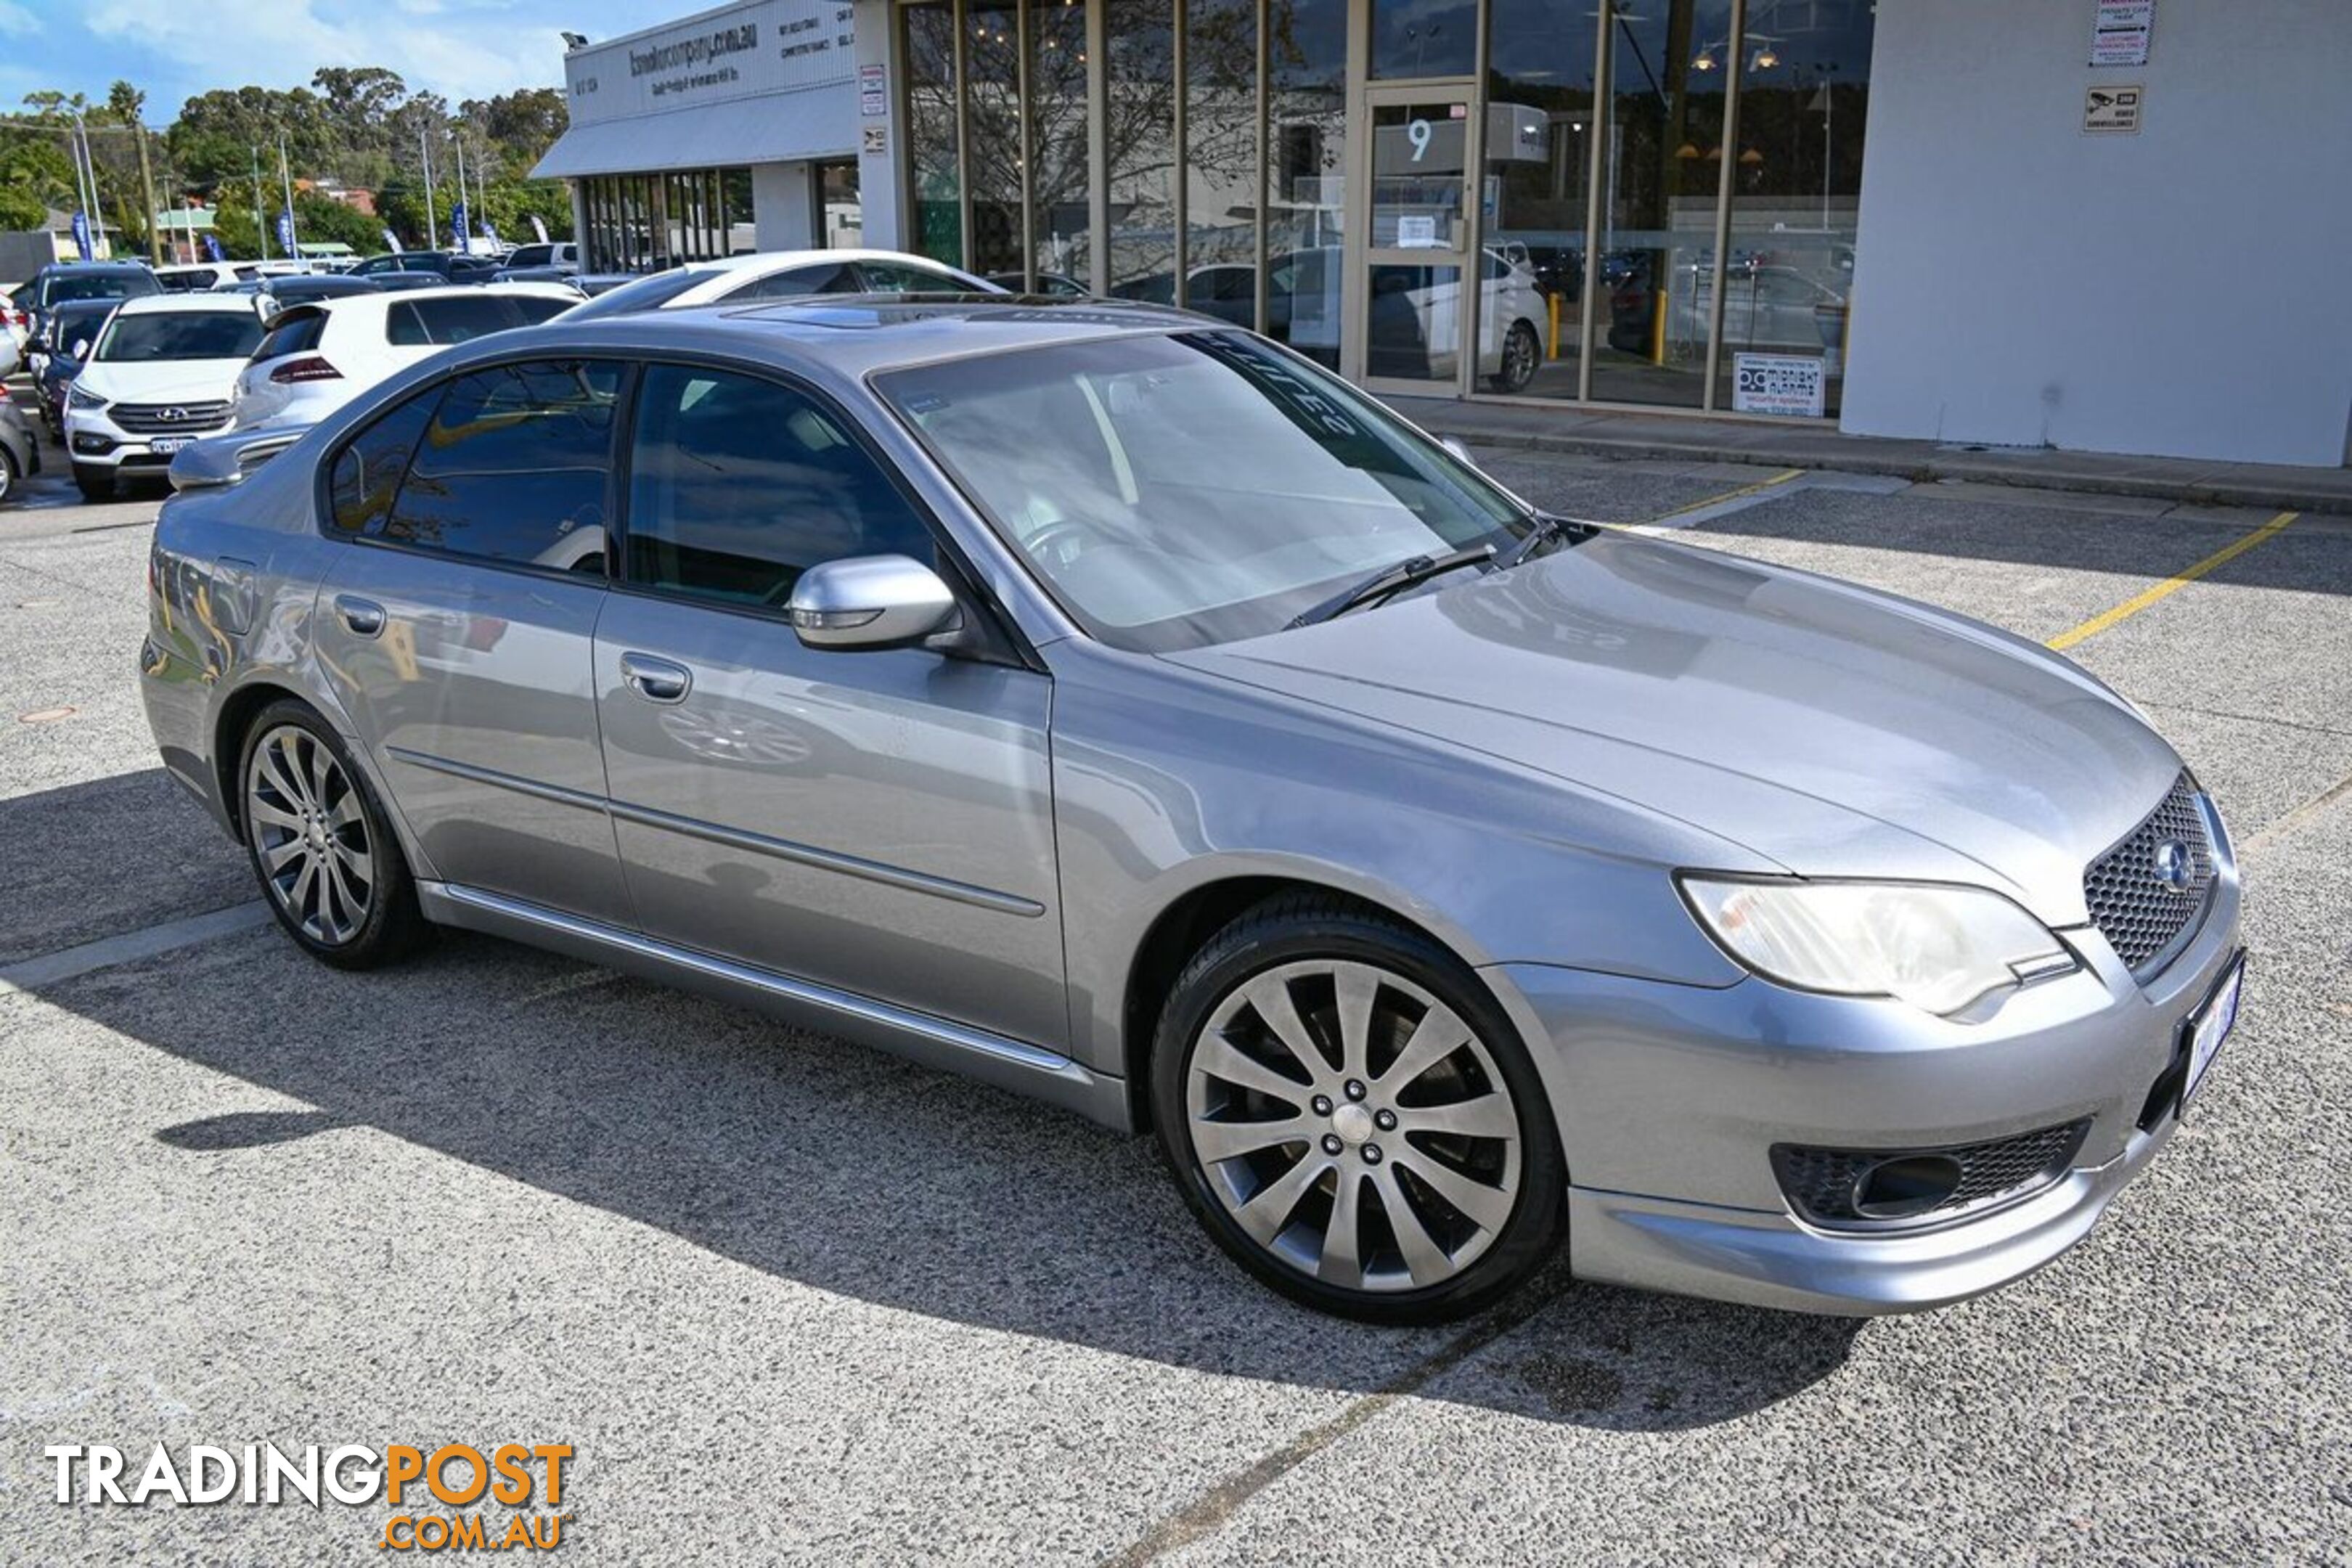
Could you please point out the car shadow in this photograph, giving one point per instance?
(823, 1163)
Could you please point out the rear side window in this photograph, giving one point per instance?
(512, 467)
(368, 470)
(897, 278)
(829, 278)
(297, 332)
(417, 323)
(533, 309)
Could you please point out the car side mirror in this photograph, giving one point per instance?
(869, 602)
(81, 349)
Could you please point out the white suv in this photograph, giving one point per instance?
(320, 355)
(158, 377)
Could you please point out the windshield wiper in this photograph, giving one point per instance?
(1394, 579)
(1544, 530)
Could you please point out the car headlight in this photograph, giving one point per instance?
(79, 397)
(1937, 946)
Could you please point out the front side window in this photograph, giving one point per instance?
(828, 278)
(512, 467)
(737, 486)
(897, 278)
(196, 334)
(1176, 491)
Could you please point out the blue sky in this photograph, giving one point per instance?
(177, 49)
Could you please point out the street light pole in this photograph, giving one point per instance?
(425, 151)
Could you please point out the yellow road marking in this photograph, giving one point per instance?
(1781, 478)
(2172, 584)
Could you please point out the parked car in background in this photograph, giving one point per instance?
(194, 277)
(452, 267)
(275, 294)
(1050, 285)
(560, 253)
(1776, 308)
(17, 320)
(1119, 708)
(63, 280)
(71, 328)
(158, 376)
(563, 275)
(318, 356)
(785, 275)
(20, 451)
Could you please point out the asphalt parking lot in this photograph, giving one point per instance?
(791, 1301)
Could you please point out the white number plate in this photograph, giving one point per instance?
(161, 444)
(2210, 1025)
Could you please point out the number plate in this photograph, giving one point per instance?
(163, 446)
(2210, 1025)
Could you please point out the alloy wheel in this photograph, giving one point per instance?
(309, 834)
(1353, 1126)
(1519, 358)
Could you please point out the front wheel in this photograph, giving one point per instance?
(1522, 356)
(328, 863)
(1353, 1119)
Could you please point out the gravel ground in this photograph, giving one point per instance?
(791, 1301)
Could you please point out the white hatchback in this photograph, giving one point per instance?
(321, 354)
(783, 274)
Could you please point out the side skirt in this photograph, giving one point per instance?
(934, 1042)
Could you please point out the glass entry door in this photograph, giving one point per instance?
(1415, 252)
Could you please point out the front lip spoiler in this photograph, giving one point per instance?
(1766, 1259)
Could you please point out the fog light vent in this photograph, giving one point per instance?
(1872, 1189)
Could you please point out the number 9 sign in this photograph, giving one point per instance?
(1419, 135)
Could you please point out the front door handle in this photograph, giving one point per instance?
(363, 616)
(656, 680)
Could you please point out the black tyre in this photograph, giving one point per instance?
(1522, 357)
(321, 846)
(1353, 1118)
(8, 474)
(96, 483)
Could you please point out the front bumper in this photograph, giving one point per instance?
(94, 441)
(1671, 1097)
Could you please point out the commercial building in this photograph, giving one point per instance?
(2100, 224)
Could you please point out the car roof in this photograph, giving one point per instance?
(95, 266)
(186, 304)
(841, 338)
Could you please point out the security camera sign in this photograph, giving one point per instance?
(1794, 384)
(2111, 111)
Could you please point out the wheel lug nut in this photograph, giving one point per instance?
(1372, 1153)
(1331, 1145)
(1355, 1089)
(1322, 1105)
(1384, 1119)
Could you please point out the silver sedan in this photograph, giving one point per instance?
(1123, 711)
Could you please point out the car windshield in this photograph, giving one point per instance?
(100, 286)
(1181, 490)
(649, 293)
(193, 334)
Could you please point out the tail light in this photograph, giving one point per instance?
(310, 367)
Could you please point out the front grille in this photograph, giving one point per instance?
(168, 418)
(2136, 909)
(1824, 1184)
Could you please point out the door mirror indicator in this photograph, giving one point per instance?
(870, 602)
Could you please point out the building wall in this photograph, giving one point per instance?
(783, 207)
(2180, 292)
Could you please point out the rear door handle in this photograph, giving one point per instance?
(656, 680)
(363, 616)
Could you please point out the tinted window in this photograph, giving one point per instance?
(512, 467)
(368, 470)
(830, 277)
(737, 486)
(195, 334)
(415, 323)
(533, 309)
(531, 256)
(295, 332)
(641, 294)
(897, 278)
(64, 286)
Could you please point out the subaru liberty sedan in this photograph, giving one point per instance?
(1117, 708)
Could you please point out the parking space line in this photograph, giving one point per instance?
(2172, 584)
(69, 964)
(1690, 513)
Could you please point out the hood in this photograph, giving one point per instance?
(1832, 729)
(164, 381)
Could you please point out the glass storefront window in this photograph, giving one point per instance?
(1219, 161)
(1428, 37)
(993, 122)
(1540, 126)
(1059, 139)
(1305, 191)
(934, 182)
(642, 222)
(1139, 80)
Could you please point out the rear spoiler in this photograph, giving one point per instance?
(224, 460)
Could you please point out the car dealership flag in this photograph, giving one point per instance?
(212, 251)
(286, 231)
(539, 229)
(457, 227)
(81, 236)
(391, 241)
(489, 231)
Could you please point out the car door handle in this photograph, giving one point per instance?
(363, 616)
(656, 680)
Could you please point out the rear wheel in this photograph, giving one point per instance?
(1522, 355)
(1353, 1119)
(325, 855)
(95, 482)
(8, 474)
